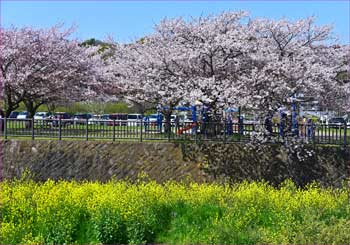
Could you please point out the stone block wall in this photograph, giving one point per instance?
(161, 161)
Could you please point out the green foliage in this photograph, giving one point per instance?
(91, 107)
(96, 108)
(102, 46)
(110, 227)
(118, 108)
(173, 213)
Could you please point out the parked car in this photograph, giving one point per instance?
(120, 119)
(42, 118)
(336, 122)
(13, 114)
(65, 119)
(134, 119)
(95, 119)
(153, 118)
(40, 115)
(22, 115)
(105, 120)
(80, 118)
(105, 117)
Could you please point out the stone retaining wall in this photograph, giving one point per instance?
(94, 160)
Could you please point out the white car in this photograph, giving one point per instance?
(40, 115)
(153, 118)
(22, 115)
(42, 118)
(134, 119)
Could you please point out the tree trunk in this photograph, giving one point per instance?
(30, 108)
(9, 105)
(140, 108)
(212, 126)
(51, 107)
(9, 109)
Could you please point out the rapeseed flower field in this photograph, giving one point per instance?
(57, 212)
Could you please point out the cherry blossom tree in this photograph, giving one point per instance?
(40, 66)
(231, 60)
(145, 73)
(290, 58)
(183, 62)
(210, 54)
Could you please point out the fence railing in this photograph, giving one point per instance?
(139, 130)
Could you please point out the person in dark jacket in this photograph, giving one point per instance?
(310, 128)
(285, 125)
(268, 124)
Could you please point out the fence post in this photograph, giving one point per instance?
(196, 132)
(169, 129)
(113, 129)
(141, 129)
(345, 129)
(314, 128)
(225, 131)
(87, 129)
(198, 128)
(5, 128)
(59, 129)
(239, 132)
(32, 127)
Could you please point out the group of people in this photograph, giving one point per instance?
(234, 124)
(304, 126)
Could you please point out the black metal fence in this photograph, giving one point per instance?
(144, 131)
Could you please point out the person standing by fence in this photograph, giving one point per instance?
(310, 128)
(268, 124)
(285, 125)
(301, 126)
(240, 125)
(229, 125)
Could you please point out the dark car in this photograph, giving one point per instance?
(119, 119)
(105, 120)
(336, 122)
(13, 114)
(81, 118)
(105, 117)
(64, 117)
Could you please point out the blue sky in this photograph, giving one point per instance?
(126, 21)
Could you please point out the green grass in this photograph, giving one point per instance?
(172, 213)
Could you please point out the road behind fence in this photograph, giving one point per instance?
(113, 130)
